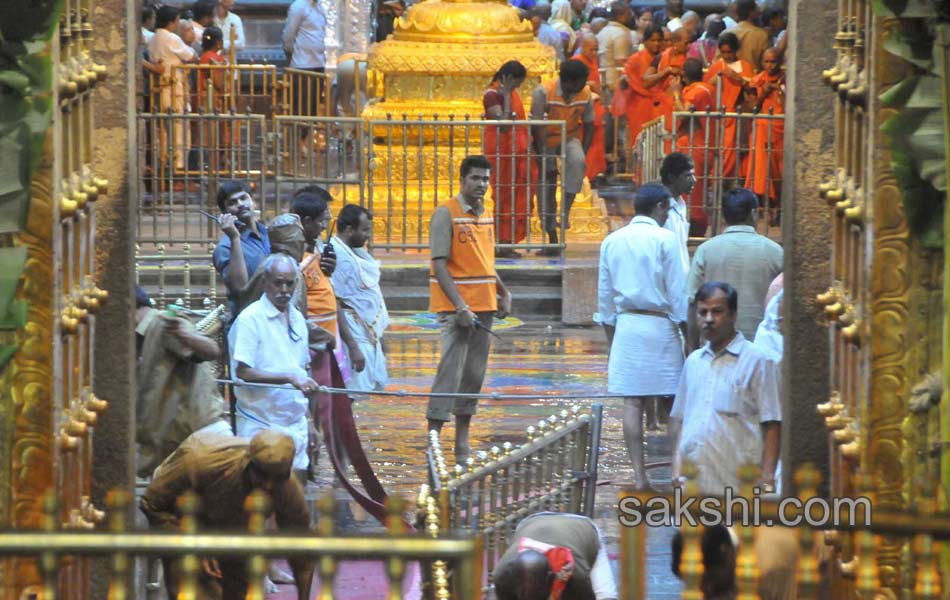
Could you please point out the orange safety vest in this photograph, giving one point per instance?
(471, 262)
(559, 109)
(321, 301)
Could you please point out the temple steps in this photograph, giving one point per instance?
(536, 289)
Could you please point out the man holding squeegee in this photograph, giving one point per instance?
(466, 293)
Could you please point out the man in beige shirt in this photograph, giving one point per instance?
(615, 43)
(753, 40)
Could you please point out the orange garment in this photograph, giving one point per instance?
(597, 153)
(691, 139)
(471, 262)
(321, 301)
(511, 172)
(559, 109)
(667, 60)
(766, 172)
(731, 99)
(642, 102)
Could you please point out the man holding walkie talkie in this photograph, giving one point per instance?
(466, 293)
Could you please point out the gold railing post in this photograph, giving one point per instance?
(807, 479)
(633, 541)
(118, 503)
(692, 557)
(190, 564)
(49, 562)
(256, 506)
(395, 526)
(746, 569)
(326, 506)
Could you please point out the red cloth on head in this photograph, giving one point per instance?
(560, 559)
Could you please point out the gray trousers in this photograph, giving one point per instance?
(461, 366)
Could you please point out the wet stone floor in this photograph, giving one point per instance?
(531, 358)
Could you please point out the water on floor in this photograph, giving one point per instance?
(531, 358)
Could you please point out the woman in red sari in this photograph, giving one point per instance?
(645, 89)
(736, 75)
(506, 148)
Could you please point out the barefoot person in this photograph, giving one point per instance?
(467, 293)
(642, 307)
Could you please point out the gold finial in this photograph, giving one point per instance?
(470, 464)
(495, 453)
(507, 448)
(458, 471)
(530, 431)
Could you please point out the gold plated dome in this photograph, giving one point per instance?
(455, 21)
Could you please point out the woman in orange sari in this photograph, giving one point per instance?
(645, 89)
(506, 148)
(736, 74)
(597, 153)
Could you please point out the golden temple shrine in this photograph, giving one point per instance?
(432, 72)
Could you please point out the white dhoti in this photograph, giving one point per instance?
(374, 375)
(249, 424)
(646, 357)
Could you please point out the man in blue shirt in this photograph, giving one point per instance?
(244, 244)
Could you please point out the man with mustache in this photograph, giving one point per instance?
(727, 412)
(268, 344)
(245, 243)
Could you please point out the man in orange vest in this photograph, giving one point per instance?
(466, 293)
(567, 99)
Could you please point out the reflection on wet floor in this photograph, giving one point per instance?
(533, 358)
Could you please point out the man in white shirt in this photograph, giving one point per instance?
(678, 174)
(268, 343)
(642, 306)
(167, 49)
(356, 284)
(303, 40)
(727, 411)
(226, 20)
(304, 34)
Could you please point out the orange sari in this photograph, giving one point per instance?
(668, 59)
(731, 99)
(642, 102)
(511, 172)
(597, 153)
(765, 176)
(691, 139)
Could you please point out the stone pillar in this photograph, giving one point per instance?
(806, 230)
(115, 46)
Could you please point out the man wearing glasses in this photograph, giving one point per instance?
(245, 243)
(268, 344)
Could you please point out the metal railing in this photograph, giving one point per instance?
(413, 167)
(729, 150)
(734, 150)
(184, 276)
(555, 470)
(55, 548)
(401, 169)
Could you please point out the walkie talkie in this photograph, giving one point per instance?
(328, 251)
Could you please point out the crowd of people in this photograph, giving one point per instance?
(620, 69)
(654, 302)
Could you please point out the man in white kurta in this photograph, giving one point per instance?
(642, 306)
(269, 344)
(727, 411)
(356, 284)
